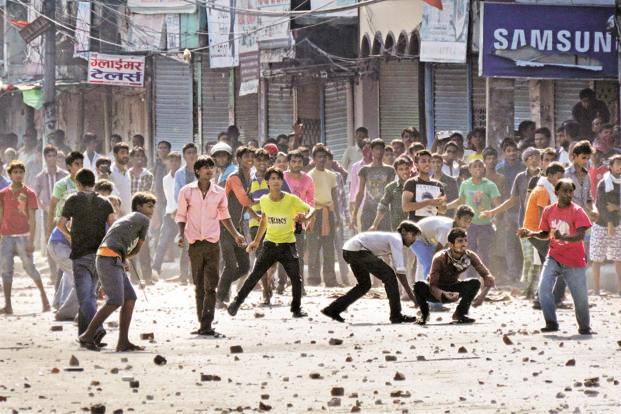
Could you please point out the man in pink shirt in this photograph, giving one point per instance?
(201, 207)
(301, 185)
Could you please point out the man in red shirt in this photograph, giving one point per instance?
(565, 224)
(18, 229)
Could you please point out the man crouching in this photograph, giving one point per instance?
(444, 284)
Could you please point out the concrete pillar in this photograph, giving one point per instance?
(541, 95)
(499, 102)
(366, 105)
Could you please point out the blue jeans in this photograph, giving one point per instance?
(85, 277)
(575, 277)
(11, 246)
(65, 298)
(424, 254)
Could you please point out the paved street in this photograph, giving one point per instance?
(293, 366)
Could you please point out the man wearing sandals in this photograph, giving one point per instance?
(444, 284)
(122, 242)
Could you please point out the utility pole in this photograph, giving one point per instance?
(49, 71)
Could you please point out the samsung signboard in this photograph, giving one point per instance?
(548, 41)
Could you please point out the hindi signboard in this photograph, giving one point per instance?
(116, 70)
(548, 42)
(444, 33)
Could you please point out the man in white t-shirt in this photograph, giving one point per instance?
(169, 228)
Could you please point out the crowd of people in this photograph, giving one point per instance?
(287, 214)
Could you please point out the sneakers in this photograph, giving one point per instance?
(299, 314)
(403, 319)
(233, 308)
(586, 331)
(550, 327)
(332, 315)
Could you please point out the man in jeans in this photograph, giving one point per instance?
(202, 207)
(564, 223)
(18, 204)
(89, 213)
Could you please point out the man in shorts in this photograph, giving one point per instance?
(122, 242)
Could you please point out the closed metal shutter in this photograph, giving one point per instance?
(566, 95)
(335, 108)
(246, 112)
(399, 107)
(450, 98)
(521, 103)
(478, 97)
(215, 103)
(173, 102)
(279, 109)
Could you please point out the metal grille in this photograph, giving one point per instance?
(215, 102)
(450, 98)
(399, 106)
(521, 102)
(246, 112)
(279, 109)
(335, 101)
(566, 95)
(173, 102)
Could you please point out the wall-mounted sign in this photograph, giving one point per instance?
(116, 70)
(537, 41)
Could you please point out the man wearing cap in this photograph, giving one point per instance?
(222, 153)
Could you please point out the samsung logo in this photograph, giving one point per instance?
(549, 40)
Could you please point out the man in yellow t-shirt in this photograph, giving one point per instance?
(279, 213)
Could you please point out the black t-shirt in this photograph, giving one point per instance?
(88, 213)
(423, 190)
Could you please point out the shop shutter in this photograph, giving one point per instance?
(521, 102)
(215, 102)
(246, 112)
(173, 102)
(399, 106)
(478, 97)
(450, 98)
(279, 109)
(566, 95)
(335, 108)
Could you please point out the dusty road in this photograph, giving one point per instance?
(293, 366)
